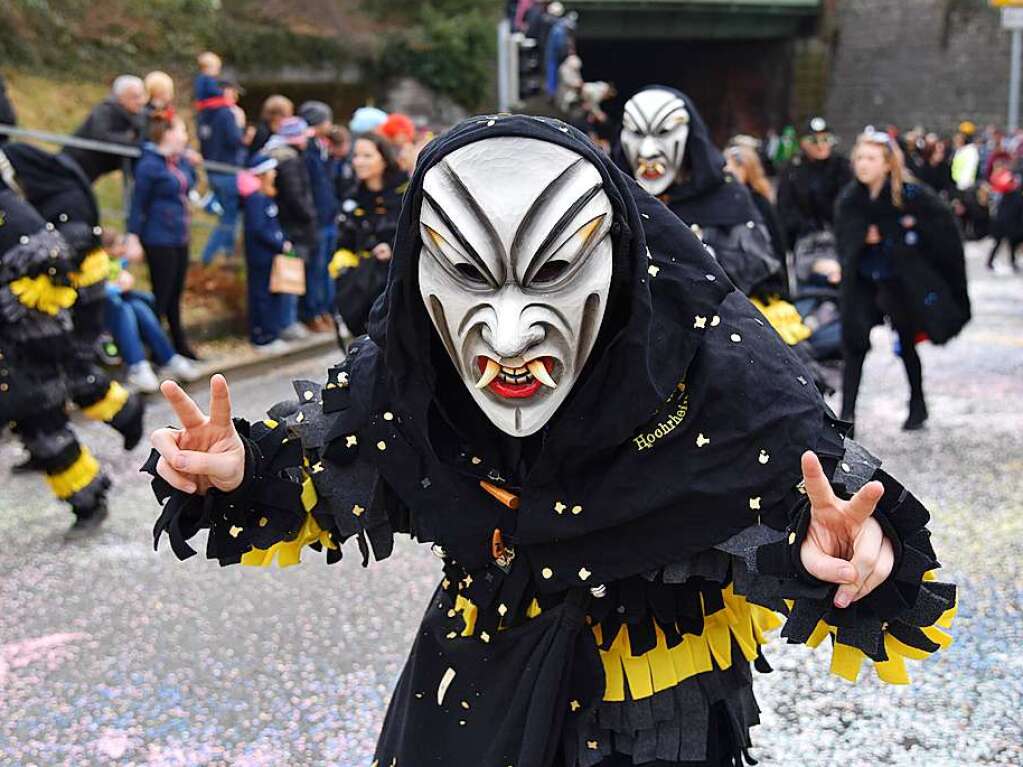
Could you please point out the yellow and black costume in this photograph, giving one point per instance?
(36, 297)
(56, 187)
(609, 580)
(367, 219)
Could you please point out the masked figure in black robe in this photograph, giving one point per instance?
(56, 187)
(666, 147)
(36, 296)
(606, 445)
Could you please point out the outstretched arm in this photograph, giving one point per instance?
(266, 490)
(859, 572)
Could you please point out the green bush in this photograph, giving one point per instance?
(448, 45)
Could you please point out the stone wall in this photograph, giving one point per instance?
(929, 62)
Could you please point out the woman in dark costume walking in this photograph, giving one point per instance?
(611, 453)
(902, 257)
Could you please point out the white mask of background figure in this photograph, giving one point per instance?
(515, 272)
(655, 128)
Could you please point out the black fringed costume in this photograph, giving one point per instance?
(56, 187)
(612, 615)
(35, 339)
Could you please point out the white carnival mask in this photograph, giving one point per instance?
(515, 272)
(655, 128)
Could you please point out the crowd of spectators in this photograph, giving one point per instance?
(979, 172)
(317, 202)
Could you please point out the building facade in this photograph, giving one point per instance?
(753, 65)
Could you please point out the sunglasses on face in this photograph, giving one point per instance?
(820, 139)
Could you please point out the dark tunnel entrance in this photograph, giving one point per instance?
(739, 86)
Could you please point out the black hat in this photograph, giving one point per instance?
(231, 82)
(316, 112)
(817, 124)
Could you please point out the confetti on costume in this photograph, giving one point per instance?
(605, 457)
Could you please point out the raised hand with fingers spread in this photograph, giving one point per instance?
(207, 451)
(844, 543)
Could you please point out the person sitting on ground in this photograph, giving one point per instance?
(264, 240)
(130, 318)
(118, 119)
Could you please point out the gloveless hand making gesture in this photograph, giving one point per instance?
(844, 543)
(207, 451)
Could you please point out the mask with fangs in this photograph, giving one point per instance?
(515, 272)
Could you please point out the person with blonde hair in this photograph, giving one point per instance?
(744, 164)
(159, 90)
(902, 258)
(275, 109)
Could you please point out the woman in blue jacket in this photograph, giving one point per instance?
(160, 218)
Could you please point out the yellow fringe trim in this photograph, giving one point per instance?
(41, 294)
(75, 477)
(662, 667)
(846, 661)
(289, 553)
(784, 318)
(343, 259)
(95, 268)
(109, 406)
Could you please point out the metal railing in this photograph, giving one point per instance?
(122, 150)
(126, 151)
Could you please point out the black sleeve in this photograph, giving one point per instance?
(304, 485)
(107, 125)
(902, 618)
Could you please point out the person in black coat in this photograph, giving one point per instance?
(296, 205)
(117, 120)
(745, 165)
(36, 344)
(902, 257)
(933, 167)
(60, 192)
(366, 227)
(617, 522)
(811, 182)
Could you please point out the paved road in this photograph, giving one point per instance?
(113, 654)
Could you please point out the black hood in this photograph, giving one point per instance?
(639, 355)
(17, 219)
(56, 187)
(709, 196)
(683, 362)
(703, 164)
